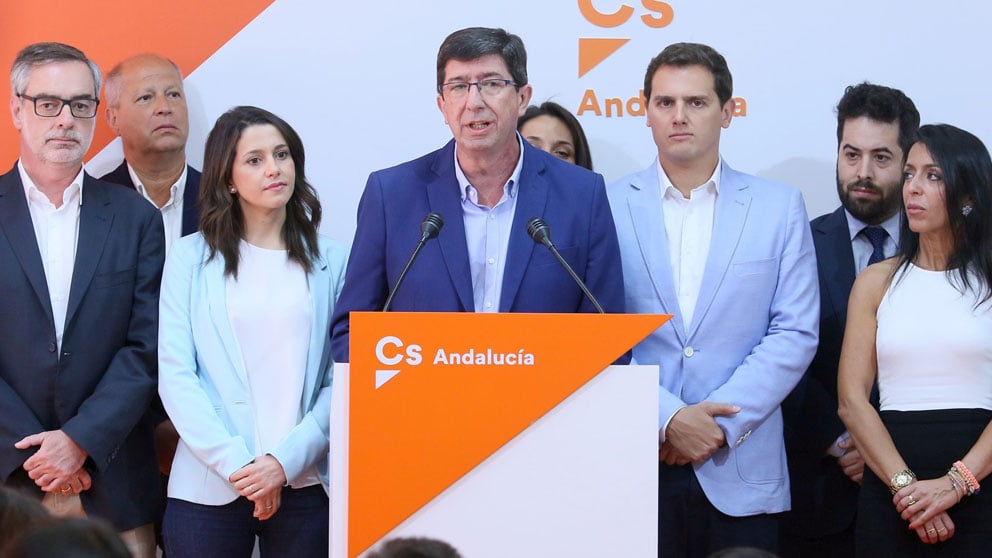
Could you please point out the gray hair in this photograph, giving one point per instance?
(39, 54)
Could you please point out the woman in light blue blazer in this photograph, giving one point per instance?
(244, 359)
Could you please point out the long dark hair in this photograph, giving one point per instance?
(967, 169)
(583, 157)
(222, 221)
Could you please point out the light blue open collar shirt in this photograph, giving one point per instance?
(860, 244)
(487, 234)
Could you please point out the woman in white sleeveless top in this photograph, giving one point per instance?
(921, 324)
(244, 354)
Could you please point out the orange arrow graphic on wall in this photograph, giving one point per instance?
(187, 31)
(594, 51)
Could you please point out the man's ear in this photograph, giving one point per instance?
(111, 114)
(15, 111)
(728, 112)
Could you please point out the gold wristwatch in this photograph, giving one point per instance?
(901, 479)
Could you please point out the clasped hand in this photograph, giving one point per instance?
(261, 482)
(693, 435)
(924, 505)
(57, 466)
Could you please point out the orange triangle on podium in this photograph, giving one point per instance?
(435, 420)
(594, 51)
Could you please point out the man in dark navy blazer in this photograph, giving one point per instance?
(876, 126)
(80, 266)
(486, 183)
(147, 109)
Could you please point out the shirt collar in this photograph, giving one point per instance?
(669, 190)
(891, 225)
(175, 192)
(73, 190)
(509, 189)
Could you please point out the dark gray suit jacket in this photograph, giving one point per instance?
(824, 499)
(97, 388)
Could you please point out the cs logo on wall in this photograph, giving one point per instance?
(593, 51)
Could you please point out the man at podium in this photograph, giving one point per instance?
(488, 189)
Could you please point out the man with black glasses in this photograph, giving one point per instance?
(487, 184)
(80, 265)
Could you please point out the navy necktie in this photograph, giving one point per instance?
(875, 235)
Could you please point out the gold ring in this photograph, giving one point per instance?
(66, 490)
(911, 501)
(932, 531)
(942, 530)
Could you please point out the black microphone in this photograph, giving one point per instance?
(541, 233)
(429, 228)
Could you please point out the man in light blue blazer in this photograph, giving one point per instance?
(730, 255)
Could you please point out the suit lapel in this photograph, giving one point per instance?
(190, 193)
(216, 287)
(96, 215)
(732, 206)
(121, 176)
(833, 244)
(444, 198)
(532, 200)
(320, 287)
(648, 219)
(15, 221)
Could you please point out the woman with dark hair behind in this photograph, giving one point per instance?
(551, 127)
(922, 324)
(77, 537)
(19, 514)
(244, 354)
(415, 547)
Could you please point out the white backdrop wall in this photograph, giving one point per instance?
(357, 78)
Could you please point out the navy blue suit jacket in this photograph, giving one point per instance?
(98, 387)
(191, 212)
(824, 499)
(572, 201)
(191, 224)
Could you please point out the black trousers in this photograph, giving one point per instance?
(690, 527)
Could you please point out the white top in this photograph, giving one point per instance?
(934, 349)
(172, 211)
(689, 225)
(57, 232)
(271, 315)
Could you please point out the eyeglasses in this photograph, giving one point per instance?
(50, 107)
(488, 87)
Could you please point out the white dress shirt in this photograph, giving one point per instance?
(172, 211)
(689, 225)
(57, 232)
